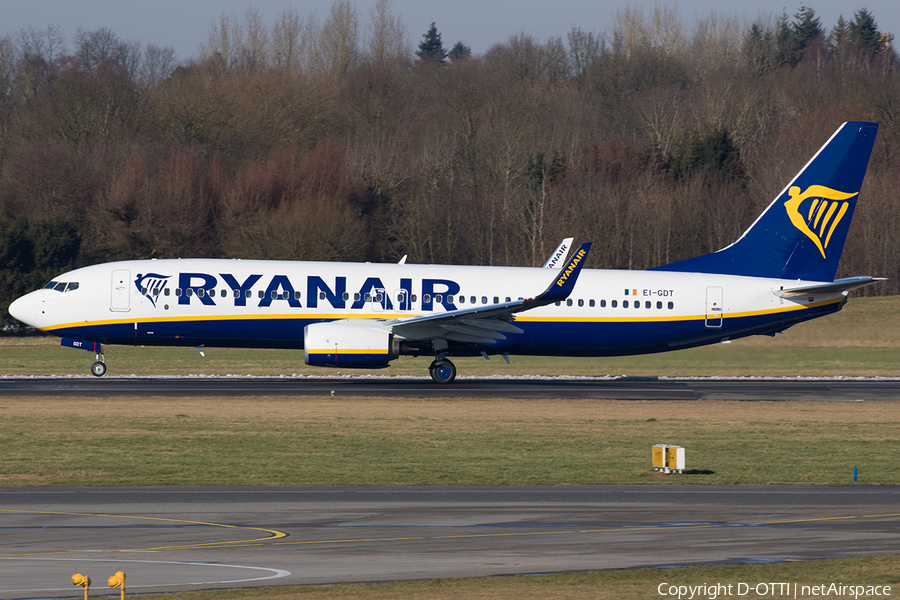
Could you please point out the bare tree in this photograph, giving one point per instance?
(584, 50)
(339, 38)
(388, 38)
(287, 42)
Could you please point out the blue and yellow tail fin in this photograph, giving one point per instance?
(801, 234)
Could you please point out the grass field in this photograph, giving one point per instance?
(326, 441)
(861, 340)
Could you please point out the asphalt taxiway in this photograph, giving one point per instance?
(170, 539)
(611, 388)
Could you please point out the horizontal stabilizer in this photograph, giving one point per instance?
(829, 288)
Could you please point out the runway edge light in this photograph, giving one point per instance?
(668, 458)
(82, 580)
(118, 581)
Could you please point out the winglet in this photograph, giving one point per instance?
(564, 283)
(559, 255)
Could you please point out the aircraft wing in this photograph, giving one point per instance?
(828, 288)
(488, 323)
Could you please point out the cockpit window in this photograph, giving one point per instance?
(62, 286)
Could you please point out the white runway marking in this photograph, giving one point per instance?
(142, 572)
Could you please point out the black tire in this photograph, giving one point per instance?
(98, 369)
(442, 371)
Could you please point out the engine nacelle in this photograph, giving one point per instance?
(348, 345)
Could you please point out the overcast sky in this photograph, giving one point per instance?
(184, 24)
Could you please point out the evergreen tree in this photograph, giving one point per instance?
(460, 52)
(839, 39)
(793, 38)
(432, 49)
(864, 34)
(807, 27)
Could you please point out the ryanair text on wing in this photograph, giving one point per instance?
(821, 213)
(202, 288)
(574, 263)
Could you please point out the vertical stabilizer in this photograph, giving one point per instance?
(802, 232)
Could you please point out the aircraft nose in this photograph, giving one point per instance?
(22, 309)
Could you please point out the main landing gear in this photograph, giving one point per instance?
(442, 371)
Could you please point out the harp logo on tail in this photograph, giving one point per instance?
(824, 212)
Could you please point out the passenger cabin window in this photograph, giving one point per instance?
(496, 300)
(591, 303)
(615, 303)
(472, 299)
(671, 305)
(659, 304)
(624, 303)
(484, 299)
(568, 302)
(603, 304)
(580, 302)
(647, 304)
(426, 298)
(462, 299)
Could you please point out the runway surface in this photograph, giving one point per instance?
(621, 388)
(168, 539)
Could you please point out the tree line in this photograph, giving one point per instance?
(339, 139)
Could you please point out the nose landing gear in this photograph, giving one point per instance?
(98, 369)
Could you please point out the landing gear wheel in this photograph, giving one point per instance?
(442, 371)
(98, 369)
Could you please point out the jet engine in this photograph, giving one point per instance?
(348, 345)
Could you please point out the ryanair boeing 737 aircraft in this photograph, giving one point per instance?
(779, 272)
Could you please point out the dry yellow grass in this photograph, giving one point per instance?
(453, 412)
